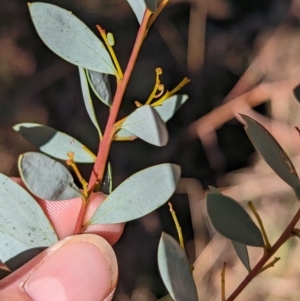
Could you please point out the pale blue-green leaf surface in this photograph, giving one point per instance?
(87, 99)
(139, 8)
(54, 143)
(139, 194)
(47, 178)
(70, 38)
(230, 219)
(100, 85)
(166, 111)
(272, 153)
(122, 134)
(170, 106)
(146, 124)
(175, 270)
(23, 224)
(242, 253)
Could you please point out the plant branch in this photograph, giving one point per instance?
(261, 225)
(104, 146)
(223, 282)
(178, 228)
(266, 257)
(111, 51)
(269, 265)
(158, 11)
(84, 184)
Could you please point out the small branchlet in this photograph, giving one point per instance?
(223, 282)
(83, 182)
(269, 265)
(261, 226)
(108, 44)
(178, 228)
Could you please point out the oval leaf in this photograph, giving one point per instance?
(240, 249)
(175, 270)
(230, 219)
(151, 5)
(70, 38)
(139, 8)
(88, 100)
(242, 253)
(272, 152)
(139, 195)
(124, 135)
(47, 178)
(166, 111)
(100, 85)
(214, 190)
(170, 106)
(146, 124)
(23, 224)
(107, 181)
(54, 143)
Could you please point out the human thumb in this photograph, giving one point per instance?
(80, 267)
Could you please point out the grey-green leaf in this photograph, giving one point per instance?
(242, 253)
(151, 5)
(175, 270)
(70, 38)
(125, 134)
(170, 106)
(23, 224)
(47, 178)
(230, 219)
(54, 143)
(166, 111)
(272, 152)
(139, 8)
(99, 82)
(213, 190)
(146, 124)
(139, 195)
(88, 100)
(107, 181)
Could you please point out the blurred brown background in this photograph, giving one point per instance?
(211, 41)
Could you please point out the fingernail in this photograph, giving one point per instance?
(76, 271)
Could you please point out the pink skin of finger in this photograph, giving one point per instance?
(79, 267)
(111, 232)
(64, 216)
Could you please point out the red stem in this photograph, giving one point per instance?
(281, 240)
(104, 146)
